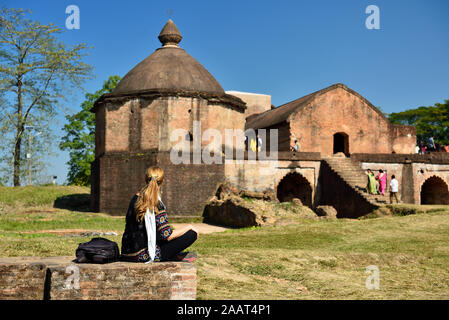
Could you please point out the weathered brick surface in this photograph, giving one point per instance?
(58, 278)
(264, 176)
(390, 169)
(22, 279)
(341, 111)
(425, 171)
(119, 176)
(139, 125)
(189, 186)
(136, 133)
(116, 178)
(100, 130)
(118, 131)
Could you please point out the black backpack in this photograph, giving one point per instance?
(97, 250)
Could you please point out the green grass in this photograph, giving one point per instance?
(58, 219)
(37, 196)
(328, 259)
(404, 210)
(312, 259)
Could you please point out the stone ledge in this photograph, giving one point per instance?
(58, 278)
(433, 157)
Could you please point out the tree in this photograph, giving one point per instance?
(80, 136)
(429, 121)
(36, 72)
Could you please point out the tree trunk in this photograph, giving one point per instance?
(17, 159)
(20, 128)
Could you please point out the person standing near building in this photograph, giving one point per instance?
(431, 144)
(371, 186)
(259, 143)
(253, 145)
(394, 188)
(295, 147)
(422, 147)
(382, 178)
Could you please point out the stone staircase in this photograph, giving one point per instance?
(354, 176)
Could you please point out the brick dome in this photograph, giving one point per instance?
(169, 67)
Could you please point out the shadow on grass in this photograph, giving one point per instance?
(73, 202)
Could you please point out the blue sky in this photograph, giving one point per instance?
(286, 49)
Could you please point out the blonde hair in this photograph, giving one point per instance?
(148, 197)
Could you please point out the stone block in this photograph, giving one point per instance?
(58, 278)
(328, 212)
(22, 279)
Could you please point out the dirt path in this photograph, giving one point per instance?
(202, 228)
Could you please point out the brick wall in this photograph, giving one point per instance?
(185, 190)
(118, 177)
(263, 176)
(342, 111)
(407, 184)
(141, 124)
(22, 279)
(100, 130)
(57, 278)
(150, 116)
(187, 187)
(390, 169)
(422, 172)
(403, 138)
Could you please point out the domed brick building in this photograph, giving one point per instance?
(169, 90)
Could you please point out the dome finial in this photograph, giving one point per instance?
(170, 35)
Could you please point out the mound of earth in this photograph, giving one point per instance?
(237, 209)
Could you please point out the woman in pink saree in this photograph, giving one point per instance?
(382, 178)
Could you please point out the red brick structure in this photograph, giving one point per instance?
(336, 119)
(139, 125)
(58, 278)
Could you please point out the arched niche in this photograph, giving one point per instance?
(294, 185)
(434, 191)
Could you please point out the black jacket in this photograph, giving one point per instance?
(135, 236)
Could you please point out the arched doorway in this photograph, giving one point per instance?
(434, 191)
(294, 185)
(341, 143)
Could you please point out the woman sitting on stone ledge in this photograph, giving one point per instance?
(148, 236)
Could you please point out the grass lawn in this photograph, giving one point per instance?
(323, 259)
